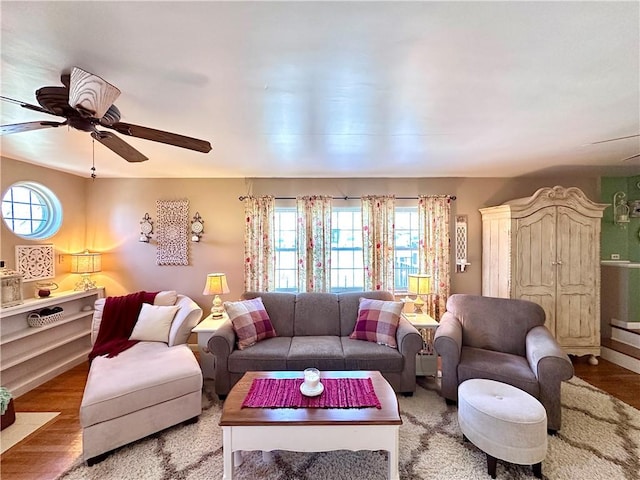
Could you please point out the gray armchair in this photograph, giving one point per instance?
(504, 340)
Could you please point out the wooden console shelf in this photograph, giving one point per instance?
(30, 356)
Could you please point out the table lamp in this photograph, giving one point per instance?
(216, 285)
(85, 264)
(419, 284)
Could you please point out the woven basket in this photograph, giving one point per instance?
(37, 320)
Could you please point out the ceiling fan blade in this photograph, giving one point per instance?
(614, 139)
(65, 79)
(161, 136)
(119, 146)
(28, 126)
(637, 155)
(28, 106)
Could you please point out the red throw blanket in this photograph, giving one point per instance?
(118, 319)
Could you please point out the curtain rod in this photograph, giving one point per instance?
(450, 197)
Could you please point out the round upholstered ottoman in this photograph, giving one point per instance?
(504, 422)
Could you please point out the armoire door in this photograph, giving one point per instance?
(576, 283)
(534, 261)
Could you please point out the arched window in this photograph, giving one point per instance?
(31, 210)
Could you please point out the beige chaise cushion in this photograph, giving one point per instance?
(140, 377)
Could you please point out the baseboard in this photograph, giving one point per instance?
(621, 359)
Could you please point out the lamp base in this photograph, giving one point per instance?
(217, 309)
(418, 303)
(85, 284)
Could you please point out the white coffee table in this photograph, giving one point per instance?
(310, 429)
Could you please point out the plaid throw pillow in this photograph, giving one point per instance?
(377, 322)
(250, 321)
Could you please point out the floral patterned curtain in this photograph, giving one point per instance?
(434, 250)
(378, 230)
(259, 251)
(314, 243)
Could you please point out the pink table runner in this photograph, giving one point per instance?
(285, 393)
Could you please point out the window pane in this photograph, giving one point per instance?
(6, 210)
(37, 212)
(21, 194)
(22, 227)
(287, 260)
(21, 211)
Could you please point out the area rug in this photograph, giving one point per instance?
(599, 439)
(26, 423)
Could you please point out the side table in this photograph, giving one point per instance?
(205, 330)
(427, 358)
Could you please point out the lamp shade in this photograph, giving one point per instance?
(216, 284)
(86, 262)
(419, 283)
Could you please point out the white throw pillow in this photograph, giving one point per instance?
(166, 298)
(154, 323)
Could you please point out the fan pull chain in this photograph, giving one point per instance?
(93, 164)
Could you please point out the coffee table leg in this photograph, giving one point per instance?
(237, 458)
(227, 454)
(394, 458)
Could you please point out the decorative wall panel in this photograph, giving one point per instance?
(35, 262)
(172, 232)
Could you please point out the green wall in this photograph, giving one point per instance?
(623, 240)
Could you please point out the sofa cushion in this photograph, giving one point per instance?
(321, 352)
(498, 366)
(250, 321)
(317, 314)
(154, 323)
(147, 374)
(269, 354)
(377, 322)
(359, 355)
(280, 306)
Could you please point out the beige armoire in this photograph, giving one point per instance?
(546, 248)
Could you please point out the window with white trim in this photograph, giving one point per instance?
(31, 211)
(347, 269)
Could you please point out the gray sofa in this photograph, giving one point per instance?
(504, 340)
(313, 331)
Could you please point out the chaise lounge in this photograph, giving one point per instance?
(149, 387)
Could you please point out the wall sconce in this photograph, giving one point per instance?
(197, 228)
(419, 284)
(146, 228)
(620, 209)
(461, 243)
(85, 264)
(216, 285)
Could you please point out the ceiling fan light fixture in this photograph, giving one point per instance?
(90, 94)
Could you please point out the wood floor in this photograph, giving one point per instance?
(52, 449)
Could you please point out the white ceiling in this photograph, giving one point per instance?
(337, 89)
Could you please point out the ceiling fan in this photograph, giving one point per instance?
(86, 103)
(637, 155)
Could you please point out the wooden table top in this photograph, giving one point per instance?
(234, 415)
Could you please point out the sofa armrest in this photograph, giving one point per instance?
(545, 355)
(448, 344)
(187, 317)
(551, 366)
(408, 338)
(221, 345)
